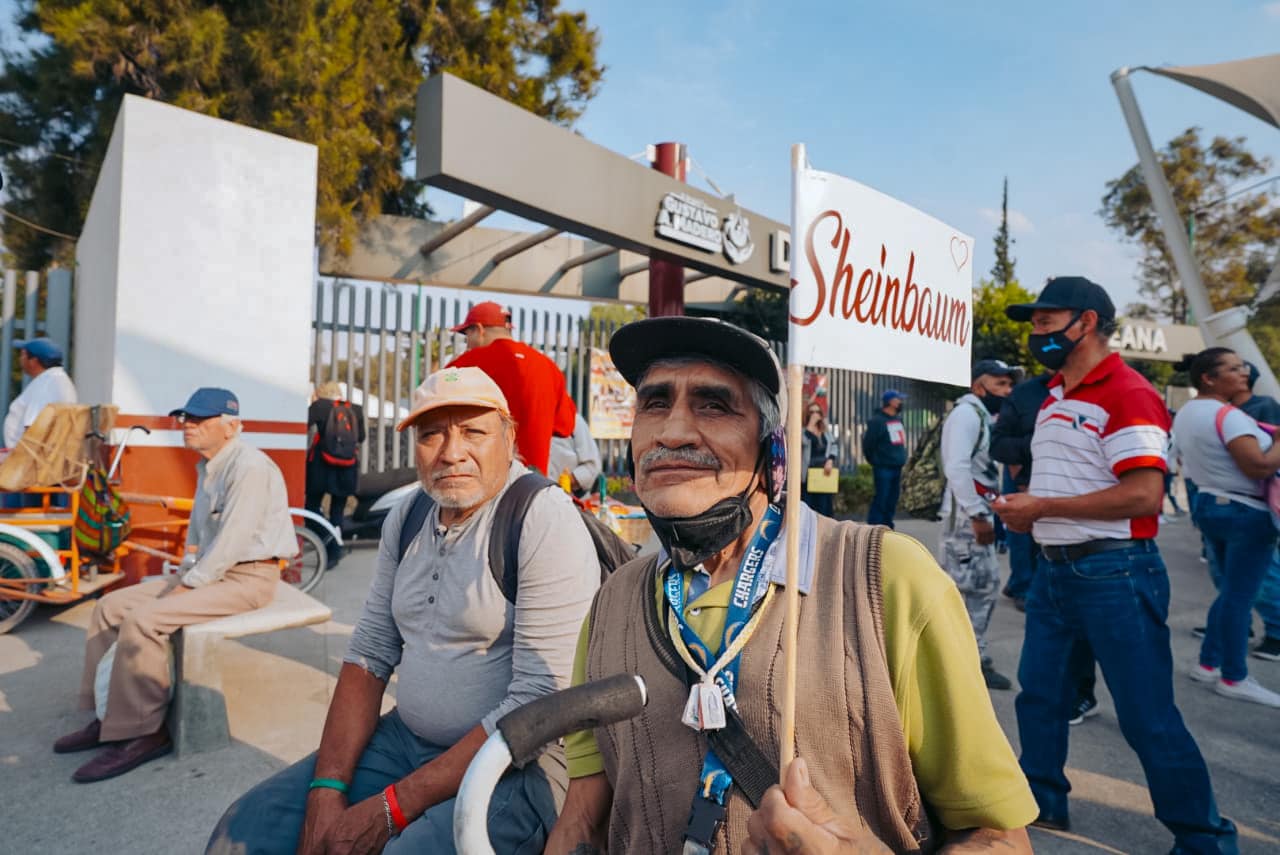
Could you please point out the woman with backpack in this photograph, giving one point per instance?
(336, 431)
(1233, 462)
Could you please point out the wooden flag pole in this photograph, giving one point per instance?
(795, 471)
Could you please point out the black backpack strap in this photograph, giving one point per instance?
(752, 770)
(413, 522)
(504, 537)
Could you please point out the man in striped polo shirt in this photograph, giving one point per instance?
(1097, 484)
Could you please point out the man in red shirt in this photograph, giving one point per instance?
(1097, 482)
(533, 384)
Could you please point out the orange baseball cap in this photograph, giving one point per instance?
(486, 314)
(456, 387)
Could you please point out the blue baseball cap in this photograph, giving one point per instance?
(890, 395)
(209, 401)
(41, 348)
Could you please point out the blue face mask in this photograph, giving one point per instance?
(1052, 349)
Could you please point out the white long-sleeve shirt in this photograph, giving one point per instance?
(966, 456)
(51, 386)
(578, 453)
(241, 514)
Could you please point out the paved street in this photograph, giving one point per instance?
(278, 685)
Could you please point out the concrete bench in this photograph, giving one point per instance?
(198, 714)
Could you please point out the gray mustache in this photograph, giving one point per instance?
(453, 470)
(683, 455)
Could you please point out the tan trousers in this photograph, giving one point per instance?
(139, 620)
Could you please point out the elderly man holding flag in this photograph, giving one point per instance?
(901, 746)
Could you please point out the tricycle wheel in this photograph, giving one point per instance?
(305, 570)
(15, 564)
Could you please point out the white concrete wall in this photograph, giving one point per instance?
(92, 354)
(214, 275)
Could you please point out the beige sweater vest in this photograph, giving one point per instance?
(847, 728)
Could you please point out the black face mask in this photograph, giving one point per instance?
(691, 540)
(1052, 349)
(993, 403)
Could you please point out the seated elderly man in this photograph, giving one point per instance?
(893, 716)
(240, 530)
(466, 656)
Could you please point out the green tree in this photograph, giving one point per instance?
(995, 336)
(1234, 236)
(617, 313)
(763, 312)
(342, 74)
(1002, 271)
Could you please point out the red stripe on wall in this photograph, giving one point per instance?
(172, 472)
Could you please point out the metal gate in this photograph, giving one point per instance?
(381, 340)
(31, 308)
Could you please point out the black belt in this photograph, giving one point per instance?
(1076, 551)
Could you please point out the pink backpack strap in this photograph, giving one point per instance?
(1219, 419)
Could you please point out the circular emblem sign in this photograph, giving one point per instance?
(737, 238)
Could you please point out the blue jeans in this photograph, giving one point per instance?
(268, 819)
(1241, 542)
(1119, 602)
(1267, 605)
(887, 481)
(1022, 563)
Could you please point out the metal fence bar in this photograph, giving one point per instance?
(378, 342)
(7, 307)
(32, 298)
(57, 307)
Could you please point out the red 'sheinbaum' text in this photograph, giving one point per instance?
(878, 298)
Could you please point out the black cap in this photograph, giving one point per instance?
(1067, 292)
(993, 367)
(639, 344)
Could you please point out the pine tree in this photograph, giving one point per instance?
(342, 74)
(1002, 271)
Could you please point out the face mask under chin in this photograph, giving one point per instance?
(692, 540)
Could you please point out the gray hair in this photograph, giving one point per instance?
(234, 421)
(766, 403)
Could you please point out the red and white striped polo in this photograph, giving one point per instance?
(1112, 422)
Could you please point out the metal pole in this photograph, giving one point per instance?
(666, 278)
(1229, 331)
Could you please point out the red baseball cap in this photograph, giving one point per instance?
(486, 314)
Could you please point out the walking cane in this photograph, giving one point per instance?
(520, 737)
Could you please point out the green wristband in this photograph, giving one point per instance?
(329, 784)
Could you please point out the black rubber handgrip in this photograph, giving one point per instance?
(550, 717)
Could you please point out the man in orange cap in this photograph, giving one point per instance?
(533, 385)
(463, 653)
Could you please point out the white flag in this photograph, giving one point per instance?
(876, 285)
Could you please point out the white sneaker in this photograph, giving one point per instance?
(1248, 689)
(1201, 674)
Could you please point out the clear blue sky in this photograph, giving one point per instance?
(931, 102)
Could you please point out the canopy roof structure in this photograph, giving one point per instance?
(1252, 85)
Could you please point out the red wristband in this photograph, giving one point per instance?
(397, 815)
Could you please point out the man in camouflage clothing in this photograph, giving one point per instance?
(968, 529)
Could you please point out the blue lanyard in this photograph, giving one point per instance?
(749, 585)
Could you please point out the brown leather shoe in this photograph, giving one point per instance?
(87, 737)
(123, 756)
